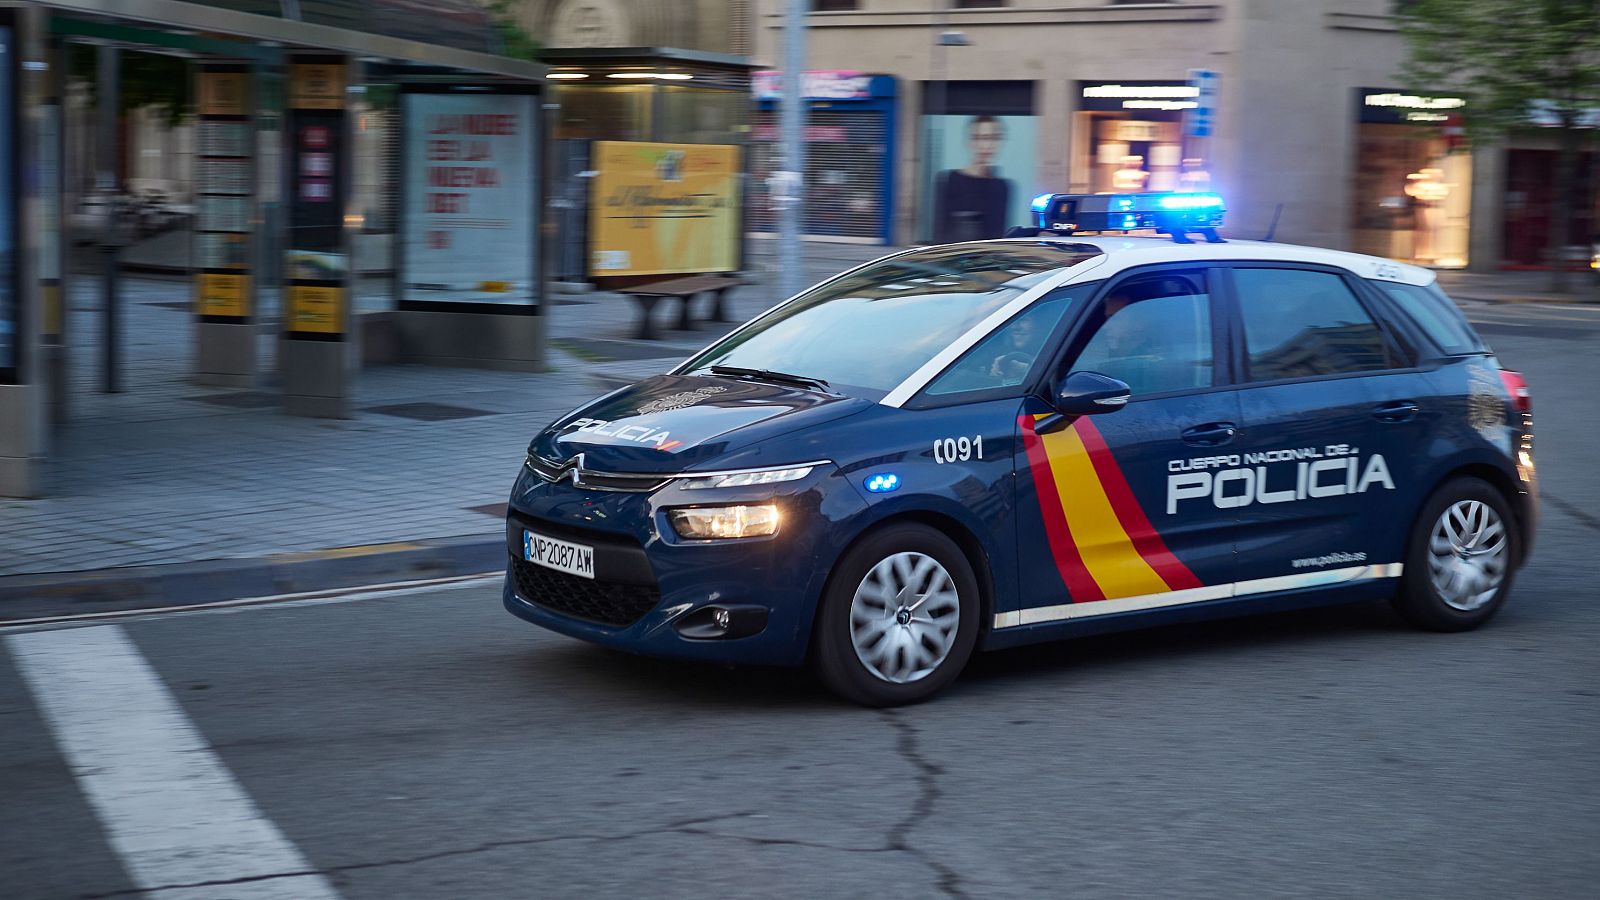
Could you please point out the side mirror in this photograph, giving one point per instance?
(1088, 393)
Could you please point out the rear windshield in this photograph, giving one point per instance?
(1437, 315)
(867, 331)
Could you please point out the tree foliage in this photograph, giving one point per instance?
(1507, 58)
(147, 79)
(515, 40)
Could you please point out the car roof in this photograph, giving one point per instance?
(1127, 251)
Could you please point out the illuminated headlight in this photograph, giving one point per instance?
(713, 523)
(748, 479)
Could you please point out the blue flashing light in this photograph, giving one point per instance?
(1042, 202)
(1191, 201)
(883, 483)
(1130, 222)
(1122, 204)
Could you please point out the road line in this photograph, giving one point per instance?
(172, 811)
(274, 601)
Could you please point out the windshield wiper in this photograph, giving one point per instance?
(769, 375)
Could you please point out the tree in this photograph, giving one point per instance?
(1508, 59)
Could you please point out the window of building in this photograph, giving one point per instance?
(1156, 336)
(1300, 324)
(980, 4)
(835, 5)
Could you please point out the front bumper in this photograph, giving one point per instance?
(650, 587)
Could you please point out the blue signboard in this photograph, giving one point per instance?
(1198, 121)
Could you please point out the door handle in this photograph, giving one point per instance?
(1396, 411)
(1212, 434)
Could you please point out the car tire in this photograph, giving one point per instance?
(899, 617)
(1460, 558)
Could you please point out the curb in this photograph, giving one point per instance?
(191, 584)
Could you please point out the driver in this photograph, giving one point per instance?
(1016, 355)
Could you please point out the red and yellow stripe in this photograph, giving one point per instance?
(1103, 544)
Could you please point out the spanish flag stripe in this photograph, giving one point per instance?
(1081, 587)
(1145, 537)
(1103, 545)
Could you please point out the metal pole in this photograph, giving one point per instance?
(791, 279)
(109, 96)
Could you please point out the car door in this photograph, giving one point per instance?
(1100, 530)
(1316, 484)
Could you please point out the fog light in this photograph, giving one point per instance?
(720, 522)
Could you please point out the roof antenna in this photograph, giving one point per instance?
(1273, 228)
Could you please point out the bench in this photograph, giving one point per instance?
(684, 288)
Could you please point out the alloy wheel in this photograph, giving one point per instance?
(1467, 554)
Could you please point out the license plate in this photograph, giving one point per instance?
(563, 556)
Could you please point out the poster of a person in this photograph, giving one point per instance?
(970, 203)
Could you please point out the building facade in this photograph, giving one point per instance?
(1312, 138)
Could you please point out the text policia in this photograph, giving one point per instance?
(1274, 476)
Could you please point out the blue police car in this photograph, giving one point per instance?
(986, 444)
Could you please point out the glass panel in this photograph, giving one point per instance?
(1299, 324)
(605, 113)
(1156, 336)
(695, 116)
(1433, 311)
(872, 329)
(1005, 358)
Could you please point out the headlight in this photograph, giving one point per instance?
(748, 479)
(711, 523)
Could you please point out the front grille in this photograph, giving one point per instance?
(602, 602)
(551, 472)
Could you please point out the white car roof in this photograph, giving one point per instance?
(1126, 251)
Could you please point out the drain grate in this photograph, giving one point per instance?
(240, 400)
(498, 510)
(427, 412)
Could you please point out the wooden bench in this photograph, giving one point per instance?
(682, 287)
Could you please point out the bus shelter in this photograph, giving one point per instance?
(358, 167)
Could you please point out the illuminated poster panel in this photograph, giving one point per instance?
(662, 209)
(470, 207)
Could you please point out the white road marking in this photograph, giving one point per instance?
(172, 811)
(275, 601)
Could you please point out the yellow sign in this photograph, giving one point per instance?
(316, 310)
(316, 86)
(223, 295)
(663, 209)
(224, 94)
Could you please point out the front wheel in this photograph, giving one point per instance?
(1460, 558)
(899, 617)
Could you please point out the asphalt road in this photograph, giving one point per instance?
(429, 745)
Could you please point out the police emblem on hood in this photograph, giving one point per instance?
(680, 400)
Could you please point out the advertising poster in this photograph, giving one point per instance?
(316, 264)
(470, 209)
(978, 176)
(662, 209)
(224, 203)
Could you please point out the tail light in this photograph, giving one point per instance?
(1517, 387)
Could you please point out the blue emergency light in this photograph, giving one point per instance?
(1178, 214)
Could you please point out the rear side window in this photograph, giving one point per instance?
(1436, 315)
(1301, 324)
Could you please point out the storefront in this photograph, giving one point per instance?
(850, 151)
(1129, 136)
(1413, 178)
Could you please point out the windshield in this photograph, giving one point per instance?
(873, 328)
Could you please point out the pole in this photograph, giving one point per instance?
(791, 278)
(936, 103)
(109, 96)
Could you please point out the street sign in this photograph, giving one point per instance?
(1198, 121)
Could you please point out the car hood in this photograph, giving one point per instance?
(674, 423)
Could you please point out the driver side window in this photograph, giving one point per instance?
(1155, 334)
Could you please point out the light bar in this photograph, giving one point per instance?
(1176, 213)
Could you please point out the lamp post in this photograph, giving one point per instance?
(936, 97)
(788, 183)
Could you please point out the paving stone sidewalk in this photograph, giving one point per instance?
(171, 472)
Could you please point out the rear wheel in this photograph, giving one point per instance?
(1460, 559)
(899, 617)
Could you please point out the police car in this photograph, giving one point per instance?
(987, 444)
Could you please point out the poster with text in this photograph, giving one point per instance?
(663, 209)
(470, 210)
(978, 175)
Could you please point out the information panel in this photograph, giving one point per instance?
(470, 207)
(224, 199)
(317, 266)
(661, 209)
